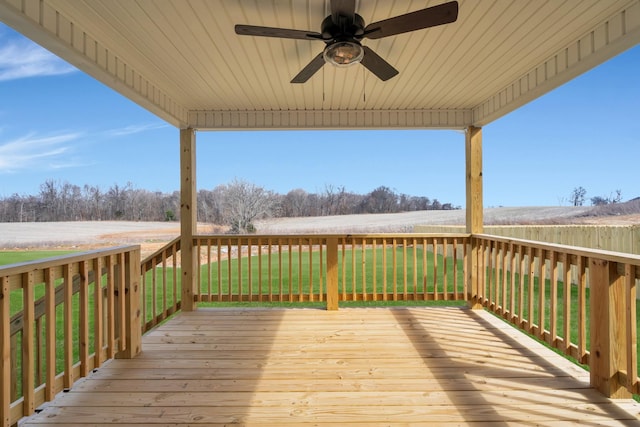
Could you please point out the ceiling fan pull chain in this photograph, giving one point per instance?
(364, 86)
(323, 93)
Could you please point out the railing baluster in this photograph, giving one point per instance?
(436, 293)
(395, 269)
(198, 272)
(414, 244)
(174, 261)
(504, 281)
(522, 274)
(354, 275)
(83, 336)
(321, 244)
(154, 291)
(456, 284)
(280, 276)
(5, 352)
(404, 269)
(28, 365)
(553, 297)
(249, 268)
(582, 309)
(290, 270)
(374, 278)
(363, 271)
(219, 267)
(68, 326)
(300, 251)
(239, 264)
(209, 272)
(110, 312)
(98, 311)
(229, 272)
(425, 268)
(445, 251)
(531, 274)
(165, 286)
(260, 269)
(384, 269)
(566, 310)
(512, 282)
(542, 274)
(311, 296)
(50, 333)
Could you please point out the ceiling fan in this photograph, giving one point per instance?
(343, 30)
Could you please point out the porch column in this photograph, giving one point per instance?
(473, 161)
(609, 335)
(188, 217)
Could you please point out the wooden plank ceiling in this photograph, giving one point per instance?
(183, 61)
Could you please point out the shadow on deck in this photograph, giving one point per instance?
(373, 366)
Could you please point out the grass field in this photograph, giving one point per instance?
(14, 257)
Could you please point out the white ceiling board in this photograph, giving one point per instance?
(183, 61)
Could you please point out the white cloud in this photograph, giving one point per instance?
(32, 151)
(21, 58)
(132, 129)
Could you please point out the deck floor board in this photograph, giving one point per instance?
(357, 366)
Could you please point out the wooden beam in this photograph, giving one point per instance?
(473, 151)
(474, 219)
(188, 216)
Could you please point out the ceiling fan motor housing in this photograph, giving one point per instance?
(343, 30)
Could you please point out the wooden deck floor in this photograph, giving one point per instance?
(374, 366)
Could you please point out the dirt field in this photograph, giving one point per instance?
(152, 235)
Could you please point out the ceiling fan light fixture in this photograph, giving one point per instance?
(343, 54)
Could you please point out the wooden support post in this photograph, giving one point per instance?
(332, 273)
(608, 332)
(188, 217)
(473, 161)
(132, 320)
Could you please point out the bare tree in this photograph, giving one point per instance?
(243, 203)
(577, 196)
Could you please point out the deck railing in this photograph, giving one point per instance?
(160, 287)
(579, 301)
(331, 268)
(582, 302)
(61, 318)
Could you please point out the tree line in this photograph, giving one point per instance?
(236, 204)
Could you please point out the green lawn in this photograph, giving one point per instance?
(14, 257)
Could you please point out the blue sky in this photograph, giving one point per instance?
(57, 123)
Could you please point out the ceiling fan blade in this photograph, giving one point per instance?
(345, 8)
(425, 18)
(308, 71)
(252, 30)
(378, 66)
